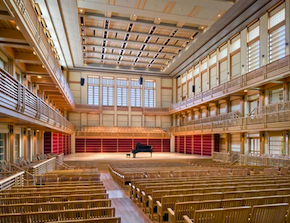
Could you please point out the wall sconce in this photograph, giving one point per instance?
(34, 133)
(24, 76)
(243, 65)
(24, 132)
(11, 130)
(263, 55)
(286, 44)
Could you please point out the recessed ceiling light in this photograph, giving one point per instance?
(42, 66)
(81, 10)
(202, 27)
(39, 76)
(158, 18)
(34, 53)
(17, 27)
(245, 90)
(219, 15)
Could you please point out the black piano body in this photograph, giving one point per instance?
(141, 149)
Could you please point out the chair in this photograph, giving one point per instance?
(236, 214)
(269, 213)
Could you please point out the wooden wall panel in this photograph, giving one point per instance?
(124, 145)
(47, 142)
(176, 144)
(80, 145)
(216, 142)
(166, 145)
(93, 145)
(181, 144)
(206, 145)
(197, 144)
(188, 144)
(156, 143)
(109, 145)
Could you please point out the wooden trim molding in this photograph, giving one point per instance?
(222, 60)
(277, 26)
(166, 88)
(253, 40)
(235, 52)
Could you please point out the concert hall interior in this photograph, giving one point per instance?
(145, 111)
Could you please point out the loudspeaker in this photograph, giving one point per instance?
(141, 80)
(193, 88)
(82, 81)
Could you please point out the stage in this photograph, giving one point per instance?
(101, 160)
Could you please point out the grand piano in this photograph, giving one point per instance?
(141, 149)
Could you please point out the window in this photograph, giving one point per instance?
(213, 70)
(108, 91)
(253, 47)
(223, 51)
(1, 64)
(179, 92)
(189, 84)
(277, 34)
(93, 90)
(122, 91)
(204, 65)
(184, 87)
(136, 93)
(276, 95)
(150, 93)
(235, 56)
(2, 146)
(276, 143)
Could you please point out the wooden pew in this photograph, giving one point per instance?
(97, 220)
(40, 217)
(54, 206)
(258, 214)
(52, 198)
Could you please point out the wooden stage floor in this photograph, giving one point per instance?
(101, 160)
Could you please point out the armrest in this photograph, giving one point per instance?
(158, 204)
(170, 211)
(150, 198)
(130, 184)
(143, 193)
(138, 189)
(186, 219)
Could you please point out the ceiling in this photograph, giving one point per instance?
(132, 36)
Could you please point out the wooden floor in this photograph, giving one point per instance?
(125, 207)
(101, 160)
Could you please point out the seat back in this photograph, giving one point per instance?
(269, 213)
(236, 214)
(208, 216)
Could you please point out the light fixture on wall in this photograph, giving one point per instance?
(141, 80)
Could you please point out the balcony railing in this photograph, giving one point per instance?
(30, 20)
(16, 179)
(275, 120)
(221, 117)
(15, 97)
(271, 108)
(273, 70)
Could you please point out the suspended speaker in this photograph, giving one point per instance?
(193, 88)
(82, 81)
(141, 80)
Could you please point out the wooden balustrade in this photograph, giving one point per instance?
(25, 11)
(254, 78)
(42, 167)
(16, 99)
(13, 180)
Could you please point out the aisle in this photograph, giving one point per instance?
(125, 207)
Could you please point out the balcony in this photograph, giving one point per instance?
(32, 30)
(274, 117)
(275, 70)
(18, 102)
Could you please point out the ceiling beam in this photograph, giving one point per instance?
(133, 33)
(35, 69)
(138, 22)
(127, 56)
(4, 15)
(145, 13)
(27, 58)
(130, 49)
(11, 35)
(110, 60)
(131, 41)
(15, 45)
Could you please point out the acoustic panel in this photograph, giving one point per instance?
(156, 143)
(80, 145)
(197, 144)
(181, 144)
(206, 145)
(188, 144)
(166, 145)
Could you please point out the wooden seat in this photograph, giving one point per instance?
(269, 213)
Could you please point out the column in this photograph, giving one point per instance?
(73, 143)
(172, 143)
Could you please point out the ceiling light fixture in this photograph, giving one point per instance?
(81, 10)
(34, 52)
(17, 27)
(42, 66)
(219, 15)
(39, 76)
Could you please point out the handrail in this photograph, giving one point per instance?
(66, 166)
(13, 180)
(15, 96)
(42, 163)
(258, 76)
(26, 172)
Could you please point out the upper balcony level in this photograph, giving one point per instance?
(21, 106)
(272, 116)
(33, 49)
(273, 71)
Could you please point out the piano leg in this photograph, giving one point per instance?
(134, 155)
(151, 154)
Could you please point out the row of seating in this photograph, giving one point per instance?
(198, 187)
(126, 173)
(60, 201)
